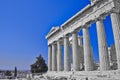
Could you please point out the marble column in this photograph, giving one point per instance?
(80, 50)
(54, 58)
(76, 62)
(66, 54)
(59, 56)
(115, 18)
(49, 58)
(102, 45)
(88, 56)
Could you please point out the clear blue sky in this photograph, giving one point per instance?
(25, 23)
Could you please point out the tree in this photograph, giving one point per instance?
(15, 72)
(8, 73)
(39, 66)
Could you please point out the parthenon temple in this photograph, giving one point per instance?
(81, 66)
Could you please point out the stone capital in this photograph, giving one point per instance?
(101, 18)
(86, 26)
(114, 10)
(65, 36)
(54, 43)
(74, 32)
(59, 39)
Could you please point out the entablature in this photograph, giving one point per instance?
(87, 16)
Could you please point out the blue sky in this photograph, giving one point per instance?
(25, 23)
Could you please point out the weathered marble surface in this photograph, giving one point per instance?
(94, 12)
(83, 75)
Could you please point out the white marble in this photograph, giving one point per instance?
(102, 45)
(49, 57)
(54, 58)
(59, 56)
(66, 54)
(82, 53)
(88, 56)
(76, 54)
(115, 18)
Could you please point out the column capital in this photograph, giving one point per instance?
(86, 26)
(114, 10)
(54, 43)
(65, 36)
(101, 18)
(74, 32)
(59, 39)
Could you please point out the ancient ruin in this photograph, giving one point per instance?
(82, 55)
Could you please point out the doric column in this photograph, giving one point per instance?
(115, 18)
(102, 44)
(76, 62)
(54, 58)
(66, 54)
(49, 58)
(59, 56)
(88, 56)
(80, 50)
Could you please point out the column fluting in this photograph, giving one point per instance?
(80, 50)
(102, 46)
(59, 56)
(54, 58)
(76, 62)
(115, 18)
(49, 58)
(66, 54)
(88, 56)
